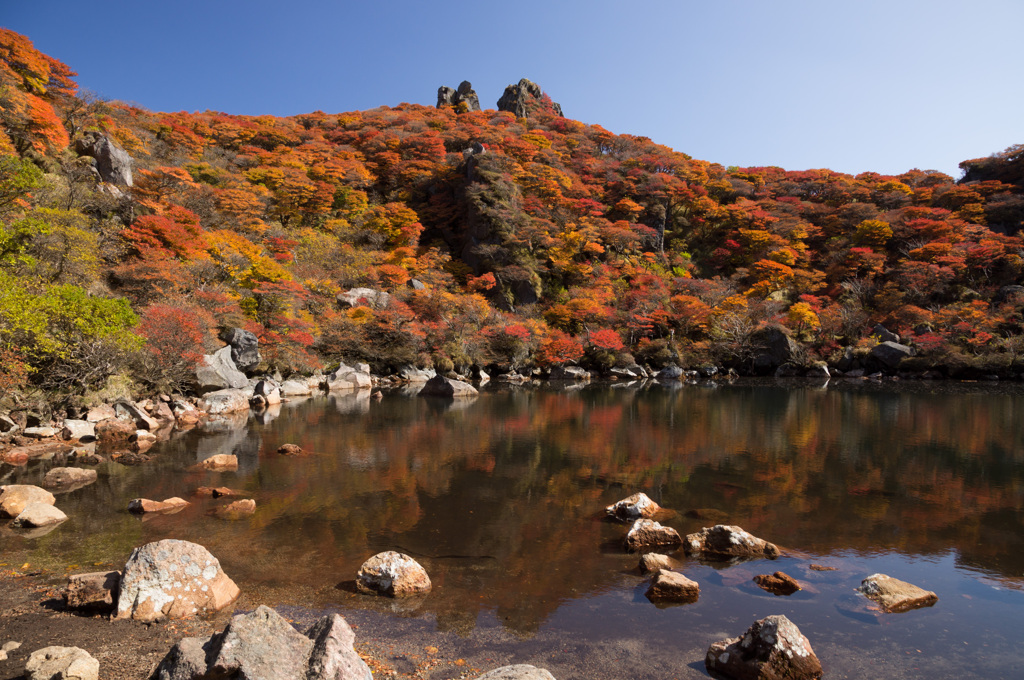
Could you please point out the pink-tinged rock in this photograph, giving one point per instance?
(68, 478)
(637, 506)
(728, 541)
(652, 562)
(172, 579)
(168, 506)
(220, 462)
(237, 509)
(647, 532)
(95, 590)
(101, 412)
(393, 574)
(14, 498)
(115, 429)
(771, 649)
(779, 583)
(894, 595)
(671, 586)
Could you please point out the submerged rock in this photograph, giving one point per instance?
(393, 574)
(647, 532)
(237, 509)
(771, 649)
(779, 583)
(639, 505)
(728, 541)
(172, 579)
(219, 462)
(894, 595)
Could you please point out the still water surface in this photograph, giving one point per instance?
(501, 498)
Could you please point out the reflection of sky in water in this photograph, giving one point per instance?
(501, 500)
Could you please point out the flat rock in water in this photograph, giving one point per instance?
(771, 648)
(729, 541)
(220, 461)
(520, 671)
(167, 506)
(671, 586)
(38, 515)
(894, 595)
(225, 401)
(639, 505)
(130, 457)
(16, 497)
(393, 574)
(215, 492)
(650, 562)
(440, 386)
(238, 509)
(262, 644)
(647, 532)
(95, 590)
(779, 583)
(291, 450)
(61, 663)
(67, 478)
(172, 579)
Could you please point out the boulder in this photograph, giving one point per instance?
(364, 297)
(113, 163)
(134, 413)
(225, 401)
(462, 99)
(61, 663)
(639, 505)
(237, 509)
(219, 462)
(290, 450)
(101, 412)
(440, 386)
(96, 590)
(295, 388)
(894, 595)
(68, 478)
(728, 541)
(884, 334)
(771, 648)
(888, 355)
(167, 506)
(652, 562)
(671, 372)
(519, 671)
(114, 429)
(82, 430)
(218, 372)
(262, 644)
(215, 492)
(523, 98)
(779, 583)
(245, 348)
(348, 378)
(269, 390)
(774, 347)
(129, 458)
(172, 579)
(16, 497)
(38, 515)
(569, 373)
(184, 412)
(393, 574)
(40, 432)
(647, 532)
(414, 375)
(671, 586)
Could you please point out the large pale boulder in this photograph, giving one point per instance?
(225, 401)
(269, 390)
(637, 506)
(725, 540)
(393, 574)
(82, 430)
(771, 649)
(68, 478)
(61, 663)
(348, 378)
(439, 386)
(113, 164)
(95, 590)
(295, 388)
(671, 586)
(15, 497)
(172, 579)
(414, 375)
(263, 645)
(38, 515)
(647, 532)
(895, 595)
(368, 297)
(520, 671)
(218, 372)
(219, 462)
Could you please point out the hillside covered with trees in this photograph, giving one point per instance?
(504, 241)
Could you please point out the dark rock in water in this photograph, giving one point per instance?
(776, 348)
(113, 163)
(773, 648)
(671, 372)
(245, 350)
(569, 373)
(523, 98)
(439, 386)
(888, 355)
(779, 583)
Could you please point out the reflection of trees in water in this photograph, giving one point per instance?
(500, 500)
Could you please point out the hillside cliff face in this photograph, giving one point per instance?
(532, 239)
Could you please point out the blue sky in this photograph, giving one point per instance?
(883, 85)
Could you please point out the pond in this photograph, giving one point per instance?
(501, 499)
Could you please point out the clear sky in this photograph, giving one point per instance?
(880, 85)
